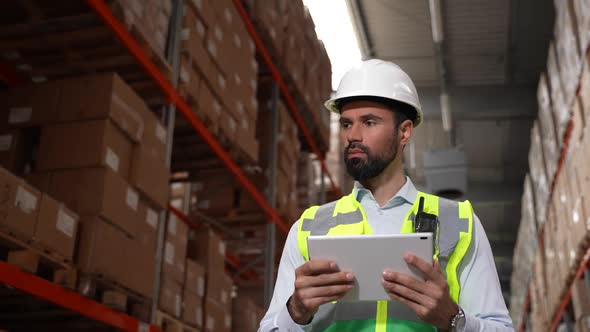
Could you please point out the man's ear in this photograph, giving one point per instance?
(406, 130)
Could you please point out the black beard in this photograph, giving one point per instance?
(361, 170)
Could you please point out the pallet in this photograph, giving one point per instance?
(31, 256)
(169, 323)
(44, 46)
(114, 295)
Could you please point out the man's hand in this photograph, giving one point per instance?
(317, 282)
(429, 299)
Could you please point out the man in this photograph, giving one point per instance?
(379, 109)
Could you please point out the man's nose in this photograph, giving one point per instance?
(354, 134)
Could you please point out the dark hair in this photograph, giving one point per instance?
(401, 111)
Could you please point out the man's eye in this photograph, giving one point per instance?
(345, 125)
(370, 123)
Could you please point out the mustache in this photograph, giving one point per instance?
(356, 145)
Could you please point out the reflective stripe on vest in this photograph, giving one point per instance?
(347, 217)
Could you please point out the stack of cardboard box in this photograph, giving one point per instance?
(208, 250)
(194, 294)
(100, 151)
(524, 253)
(581, 304)
(148, 20)
(218, 71)
(246, 315)
(174, 267)
(289, 33)
(288, 150)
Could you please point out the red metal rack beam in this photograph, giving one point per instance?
(229, 258)
(284, 90)
(103, 11)
(566, 299)
(53, 293)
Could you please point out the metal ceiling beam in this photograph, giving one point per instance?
(359, 24)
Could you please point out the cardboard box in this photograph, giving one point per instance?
(19, 206)
(217, 317)
(106, 250)
(101, 248)
(98, 192)
(547, 127)
(29, 106)
(219, 289)
(195, 279)
(57, 227)
(41, 181)
(155, 137)
(192, 312)
(150, 176)
(85, 144)
(16, 149)
(207, 249)
(583, 324)
(104, 96)
(244, 315)
(580, 298)
(175, 249)
(140, 255)
(170, 296)
(149, 217)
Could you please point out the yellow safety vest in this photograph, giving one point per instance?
(346, 216)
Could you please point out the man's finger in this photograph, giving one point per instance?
(316, 267)
(405, 292)
(403, 279)
(426, 269)
(337, 278)
(417, 308)
(326, 291)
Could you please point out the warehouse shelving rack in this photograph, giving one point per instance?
(91, 314)
(585, 261)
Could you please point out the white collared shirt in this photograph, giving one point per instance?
(480, 297)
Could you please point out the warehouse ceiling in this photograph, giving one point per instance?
(495, 52)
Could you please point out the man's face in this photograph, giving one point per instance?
(370, 138)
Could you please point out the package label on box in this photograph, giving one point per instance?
(151, 218)
(216, 107)
(25, 200)
(227, 321)
(177, 304)
(143, 327)
(132, 198)
(20, 115)
(5, 142)
(221, 81)
(200, 28)
(185, 76)
(65, 223)
(228, 16)
(161, 133)
(201, 287)
(212, 48)
(172, 225)
(112, 160)
(224, 296)
(222, 249)
(185, 34)
(210, 323)
(169, 253)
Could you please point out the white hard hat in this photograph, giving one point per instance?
(381, 79)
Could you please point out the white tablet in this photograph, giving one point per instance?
(367, 256)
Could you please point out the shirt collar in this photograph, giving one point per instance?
(408, 191)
